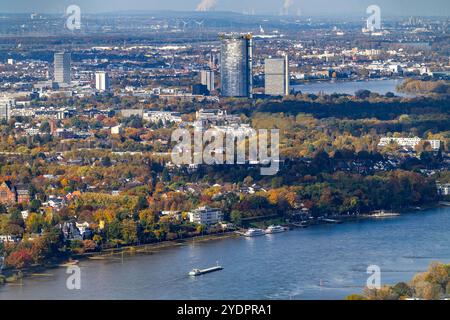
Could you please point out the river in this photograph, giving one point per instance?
(350, 87)
(321, 262)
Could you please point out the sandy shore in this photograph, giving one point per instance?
(153, 247)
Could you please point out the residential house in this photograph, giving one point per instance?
(173, 214)
(84, 229)
(443, 189)
(252, 189)
(25, 214)
(9, 238)
(117, 129)
(10, 194)
(408, 142)
(7, 193)
(23, 194)
(70, 231)
(55, 202)
(163, 116)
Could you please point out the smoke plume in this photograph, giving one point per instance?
(206, 5)
(287, 5)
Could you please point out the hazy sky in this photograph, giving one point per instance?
(307, 7)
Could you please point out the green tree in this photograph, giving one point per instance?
(35, 223)
(45, 127)
(113, 231)
(34, 205)
(165, 176)
(402, 290)
(236, 217)
(106, 161)
(129, 231)
(355, 297)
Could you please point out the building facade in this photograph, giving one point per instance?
(443, 189)
(236, 65)
(8, 239)
(408, 142)
(206, 216)
(207, 79)
(22, 194)
(277, 76)
(102, 81)
(163, 116)
(62, 72)
(7, 193)
(5, 108)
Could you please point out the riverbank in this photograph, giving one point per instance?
(350, 86)
(121, 253)
(151, 248)
(323, 262)
(342, 80)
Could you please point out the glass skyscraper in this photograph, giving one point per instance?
(236, 65)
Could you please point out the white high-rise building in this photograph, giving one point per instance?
(101, 81)
(277, 76)
(5, 108)
(207, 79)
(62, 62)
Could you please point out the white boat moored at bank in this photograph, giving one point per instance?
(275, 229)
(254, 232)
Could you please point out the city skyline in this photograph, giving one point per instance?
(216, 153)
(263, 7)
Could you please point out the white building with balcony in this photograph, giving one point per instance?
(206, 216)
(163, 116)
(408, 142)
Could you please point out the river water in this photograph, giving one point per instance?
(321, 262)
(350, 87)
